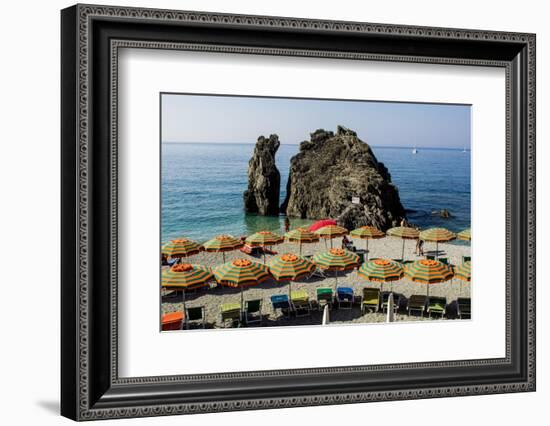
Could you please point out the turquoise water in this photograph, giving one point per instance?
(202, 187)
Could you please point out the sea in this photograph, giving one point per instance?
(202, 188)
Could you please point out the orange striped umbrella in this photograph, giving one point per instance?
(405, 233)
(437, 235)
(367, 233)
(301, 235)
(222, 243)
(427, 271)
(181, 247)
(330, 232)
(465, 235)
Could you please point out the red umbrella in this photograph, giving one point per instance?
(321, 224)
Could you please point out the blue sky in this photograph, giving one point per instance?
(234, 119)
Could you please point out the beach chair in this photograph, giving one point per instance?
(386, 297)
(463, 307)
(231, 312)
(344, 297)
(466, 259)
(282, 303)
(325, 296)
(300, 303)
(371, 299)
(194, 317)
(437, 305)
(172, 321)
(252, 311)
(444, 260)
(417, 303)
(430, 257)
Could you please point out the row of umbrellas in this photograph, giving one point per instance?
(241, 273)
(222, 243)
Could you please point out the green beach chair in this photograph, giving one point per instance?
(194, 317)
(300, 303)
(444, 260)
(430, 257)
(417, 303)
(325, 296)
(463, 307)
(371, 299)
(386, 297)
(437, 305)
(466, 259)
(252, 311)
(231, 312)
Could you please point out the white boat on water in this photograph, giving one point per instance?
(415, 151)
(464, 150)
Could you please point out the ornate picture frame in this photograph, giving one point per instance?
(91, 38)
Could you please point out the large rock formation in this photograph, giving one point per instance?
(333, 170)
(264, 179)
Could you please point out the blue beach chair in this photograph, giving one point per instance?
(281, 302)
(344, 297)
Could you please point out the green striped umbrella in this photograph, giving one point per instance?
(289, 267)
(336, 259)
(463, 272)
(181, 247)
(465, 235)
(330, 232)
(300, 236)
(241, 273)
(185, 276)
(263, 239)
(381, 270)
(437, 235)
(427, 271)
(405, 233)
(222, 243)
(367, 233)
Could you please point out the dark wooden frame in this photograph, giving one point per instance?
(91, 388)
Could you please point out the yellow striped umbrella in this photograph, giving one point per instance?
(181, 247)
(336, 259)
(427, 271)
(367, 233)
(465, 235)
(263, 239)
(437, 235)
(330, 232)
(241, 273)
(186, 276)
(222, 243)
(405, 233)
(301, 235)
(289, 267)
(463, 272)
(381, 270)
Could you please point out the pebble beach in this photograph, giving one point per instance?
(211, 298)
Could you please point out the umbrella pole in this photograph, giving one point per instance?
(436, 248)
(403, 251)
(223, 256)
(367, 253)
(336, 277)
(331, 243)
(300, 248)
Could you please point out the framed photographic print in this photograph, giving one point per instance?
(263, 212)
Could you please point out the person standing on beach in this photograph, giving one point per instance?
(420, 247)
(287, 224)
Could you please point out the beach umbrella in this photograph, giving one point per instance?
(336, 259)
(405, 233)
(381, 270)
(465, 235)
(330, 232)
(437, 235)
(241, 273)
(181, 247)
(367, 233)
(289, 267)
(263, 239)
(320, 223)
(185, 276)
(427, 271)
(463, 272)
(222, 243)
(300, 236)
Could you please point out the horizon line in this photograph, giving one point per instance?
(298, 144)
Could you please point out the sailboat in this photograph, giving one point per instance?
(464, 150)
(415, 151)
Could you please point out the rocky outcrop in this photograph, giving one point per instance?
(337, 176)
(264, 179)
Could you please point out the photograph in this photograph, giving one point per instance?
(280, 212)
